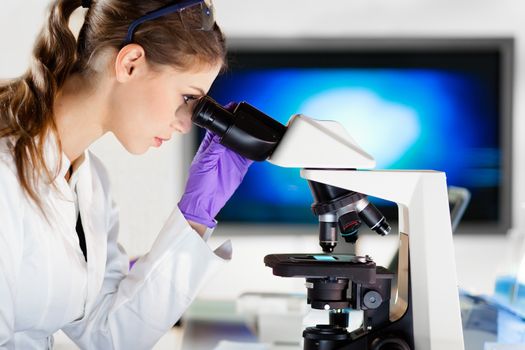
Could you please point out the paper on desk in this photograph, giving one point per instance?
(230, 345)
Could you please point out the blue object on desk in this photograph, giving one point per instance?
(509, 296)
(511, 292)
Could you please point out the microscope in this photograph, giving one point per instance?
(420, 311)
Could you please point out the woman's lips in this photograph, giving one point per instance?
(158, 141)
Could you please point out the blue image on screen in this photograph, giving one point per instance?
(405, 118)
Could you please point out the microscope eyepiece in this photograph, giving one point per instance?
(208, 114)
(245, 130)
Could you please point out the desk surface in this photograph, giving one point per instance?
(206, 323)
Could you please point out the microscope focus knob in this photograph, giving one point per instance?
(372, 299)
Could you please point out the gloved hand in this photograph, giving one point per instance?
(215, 173)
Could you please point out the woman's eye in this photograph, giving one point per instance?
(189, 98)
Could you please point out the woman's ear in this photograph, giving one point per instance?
(130, 62)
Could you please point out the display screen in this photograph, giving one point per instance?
(409, 111)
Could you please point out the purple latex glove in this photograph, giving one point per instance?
(215, 174)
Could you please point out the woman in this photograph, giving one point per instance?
(135, 71)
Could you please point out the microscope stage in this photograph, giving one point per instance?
(355, 268)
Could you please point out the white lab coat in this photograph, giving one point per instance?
(46, 284)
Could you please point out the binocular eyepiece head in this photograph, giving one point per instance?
(245, 129)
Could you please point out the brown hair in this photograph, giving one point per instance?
(26, 103)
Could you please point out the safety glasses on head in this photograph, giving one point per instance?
(206, 23)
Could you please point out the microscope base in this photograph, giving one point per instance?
(394, 336)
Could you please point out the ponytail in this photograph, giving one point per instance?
(26, 103)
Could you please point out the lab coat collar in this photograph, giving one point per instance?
(57, 161)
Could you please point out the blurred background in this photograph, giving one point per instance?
(404, 58)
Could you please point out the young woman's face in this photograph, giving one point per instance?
(147, 109)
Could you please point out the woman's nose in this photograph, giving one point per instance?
(182, 121)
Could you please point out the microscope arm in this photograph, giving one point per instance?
(424, 226)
